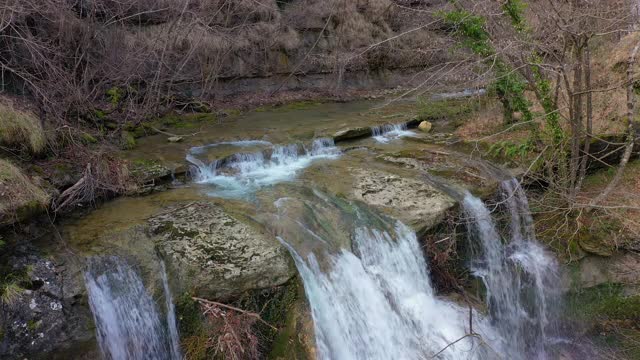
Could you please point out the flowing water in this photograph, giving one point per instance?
(389, 132)
(518, 275)
(244, 173)
(365, 276)
(128, 323)
(375, 301)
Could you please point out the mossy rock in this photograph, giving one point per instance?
(296, 339)
(147, 171)
(595, 245)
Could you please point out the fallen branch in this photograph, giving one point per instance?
(248, 313)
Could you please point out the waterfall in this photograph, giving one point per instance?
(518, 275)
(377, 303)
(128, 324)
(388, 132)
(243, 173)
(172, 324)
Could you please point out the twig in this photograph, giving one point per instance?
(249, 313)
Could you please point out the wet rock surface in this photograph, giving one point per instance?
(410, 200)
(49, 316)
(218, 255)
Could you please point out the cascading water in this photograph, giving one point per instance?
(388, 132)
(246, 172)
(377, 301)
(172, 324)
(518, 275)
(128, 324)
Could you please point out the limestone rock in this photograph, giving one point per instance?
(412, 201)
(353, 133)
(425, 126)
(218, 255)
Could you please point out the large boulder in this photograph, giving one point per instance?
(412, 201)
(217, 255)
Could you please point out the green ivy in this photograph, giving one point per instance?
(471, 28)
(509, 85)
(515, 10)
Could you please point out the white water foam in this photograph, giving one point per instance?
(379, 304)
(389, 132)
(246, 172)
(128, 324)
(519, 276)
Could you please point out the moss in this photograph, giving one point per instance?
(192, 327)
(190, 319)
(99, 114)
(33, 324)
(127, 140)
(289, 342)
(603, 302)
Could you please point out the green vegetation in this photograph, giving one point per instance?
(446, 109)
(604, 302)
(10, 290)
(128, 141)
(511, 150)
(21, 129)
(509, 86)
(115, 95)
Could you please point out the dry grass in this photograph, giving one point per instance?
(19, 196)
(21, 129)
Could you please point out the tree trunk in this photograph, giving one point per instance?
(584, 159)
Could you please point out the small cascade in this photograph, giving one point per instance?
(518, 275)
(172, 324)
(388, 132)
(128, 324)
(243, 173)
(376, 302)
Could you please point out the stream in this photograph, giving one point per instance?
(350, 215)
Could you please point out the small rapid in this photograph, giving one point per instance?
(128, 323)
(389, 132)
(243, 173)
